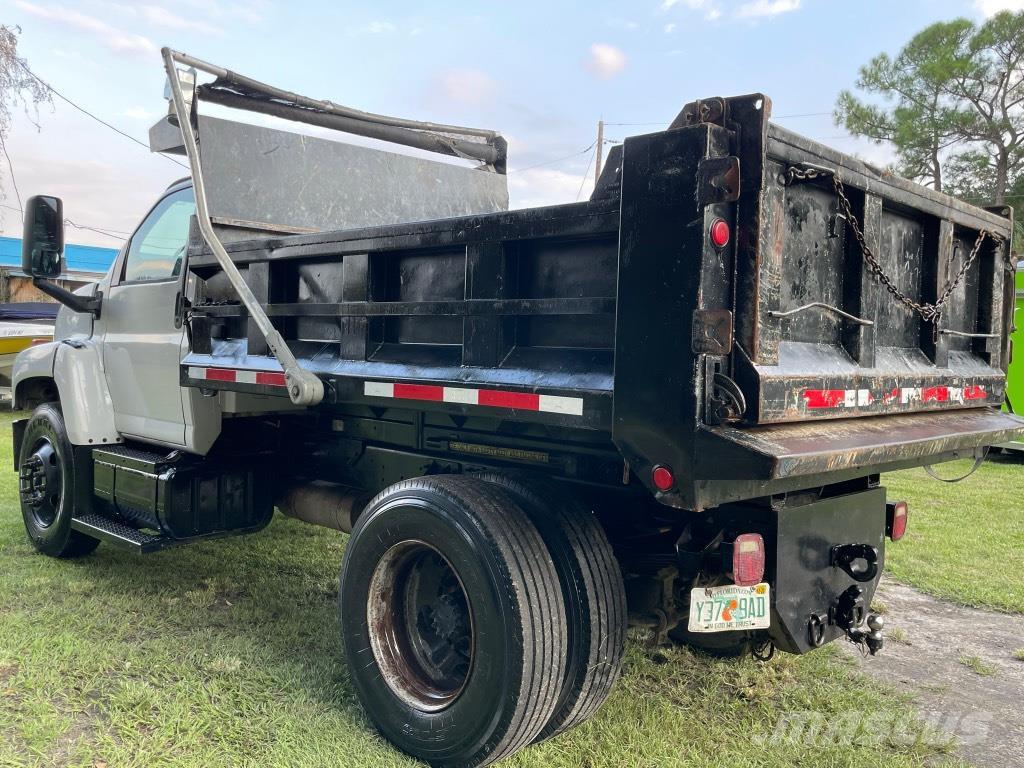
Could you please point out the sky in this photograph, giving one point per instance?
(543, 73)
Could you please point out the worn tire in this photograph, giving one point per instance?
(593, 591)
(517, 623)
(48, 516)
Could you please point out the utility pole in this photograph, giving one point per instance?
(600, 146)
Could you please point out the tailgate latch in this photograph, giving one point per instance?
(723, 400)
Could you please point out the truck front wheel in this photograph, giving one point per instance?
(453, 622)
(46, 485)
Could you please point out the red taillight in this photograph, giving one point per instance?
(896, 519)
(663, 478)
(748, 559)
(719, 233)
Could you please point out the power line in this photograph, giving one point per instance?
(116, 234)
(803, 114)
(99, 120)
(653, 122)
(552, 162)
(10, 166)
(773, 117)
(94, 229)
(585, 173)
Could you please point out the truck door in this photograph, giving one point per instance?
(141, 346)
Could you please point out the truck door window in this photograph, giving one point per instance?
(158, 245)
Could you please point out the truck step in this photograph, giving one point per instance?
(117, 533)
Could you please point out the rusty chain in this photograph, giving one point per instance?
(929, 312)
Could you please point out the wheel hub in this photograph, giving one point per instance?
(421, 629)
(41, 483)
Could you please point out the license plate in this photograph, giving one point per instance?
(721, 609)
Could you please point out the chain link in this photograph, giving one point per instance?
(929, 312)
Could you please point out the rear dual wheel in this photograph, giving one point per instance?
(454, 619)
(592, 591)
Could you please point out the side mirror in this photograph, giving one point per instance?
(42, 245)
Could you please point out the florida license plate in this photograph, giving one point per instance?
(725, 608)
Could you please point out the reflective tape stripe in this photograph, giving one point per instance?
(491, 398)
(237, 376)
(856, 398)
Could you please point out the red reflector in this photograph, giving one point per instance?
(748, 559)
(896, 522)
(663, 478)
(220, 374)
(719, 233)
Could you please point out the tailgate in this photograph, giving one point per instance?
(821, 337)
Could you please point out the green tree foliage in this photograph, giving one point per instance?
(951, 102)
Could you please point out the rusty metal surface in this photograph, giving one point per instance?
(321, 503)
(712, 331)
(625, 300)
(815, 448)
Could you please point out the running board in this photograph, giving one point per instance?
(121, 535)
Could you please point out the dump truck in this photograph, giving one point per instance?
(669, 405)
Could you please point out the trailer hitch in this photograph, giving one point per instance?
(862, 628)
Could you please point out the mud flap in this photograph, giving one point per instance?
(828, 558)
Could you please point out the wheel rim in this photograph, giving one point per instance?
(41, 483)
(420, 626)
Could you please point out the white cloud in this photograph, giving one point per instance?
(469, 86)
(669, 29)
(376, 28)
(546, 186)
(709, 7)
(606, 60)
(115, 39)
(759, 8)
(693, 5)
(162, 17)
(992, 7)
(138, 113)
(249, 12)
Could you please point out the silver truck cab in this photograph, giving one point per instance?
(116, 372)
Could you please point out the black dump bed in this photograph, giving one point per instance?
(756, 366)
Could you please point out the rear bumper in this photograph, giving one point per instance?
(873, 443)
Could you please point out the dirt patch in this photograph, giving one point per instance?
(82, 729)
(7, 672)
(959, 663)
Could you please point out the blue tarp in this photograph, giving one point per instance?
(77, 258)
(29, 310)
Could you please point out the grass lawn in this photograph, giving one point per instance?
(226, 654)
(965, 541)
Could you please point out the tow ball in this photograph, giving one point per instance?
(850, 612)
(861, 627)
